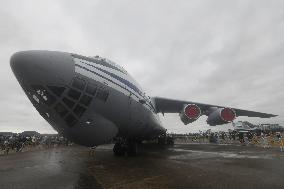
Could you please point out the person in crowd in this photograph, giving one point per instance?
(255, 140)
(241, 138)
(92, 150)
(7, 146)
(250, 136)
(264, 138)
(280, 141)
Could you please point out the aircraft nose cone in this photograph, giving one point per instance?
(14, 62)
(42, 67)
(27, 64)
(17, 62)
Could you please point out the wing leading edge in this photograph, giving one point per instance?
(164, 105)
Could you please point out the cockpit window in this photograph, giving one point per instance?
(74, 94)
(98, 60)
(79, 83)
(57, 90)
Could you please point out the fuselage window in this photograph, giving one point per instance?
(60, 109)
(78, 83)
(102, 94)
(68, 102)
(74, 94)
(56, 90)
(79, 110)
(86, 100)
(70, 120)
(91, 89)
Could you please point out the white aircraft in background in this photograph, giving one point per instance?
(92, 100)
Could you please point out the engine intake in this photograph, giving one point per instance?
(190, 113)
(221, 116)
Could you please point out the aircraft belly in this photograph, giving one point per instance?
(98, 131)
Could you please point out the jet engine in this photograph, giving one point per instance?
(190, 113)
(221, 116)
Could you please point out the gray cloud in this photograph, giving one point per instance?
(218, 52)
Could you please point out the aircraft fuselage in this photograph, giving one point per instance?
(88, 100)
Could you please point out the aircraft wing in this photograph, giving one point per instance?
(164, 105)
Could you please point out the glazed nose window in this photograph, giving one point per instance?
(79, 110)
(61, 110)
(56, 90)
(85, 100)
(68, 102)
(79, 84)
(74, 94)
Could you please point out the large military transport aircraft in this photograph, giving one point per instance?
(92, 100)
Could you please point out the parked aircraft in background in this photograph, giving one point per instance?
(244, 126)
(92, 100)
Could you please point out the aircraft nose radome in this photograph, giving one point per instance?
(16, 62)
(42, 66)
(27, 63)
(13, 61)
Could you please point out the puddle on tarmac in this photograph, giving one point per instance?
(105, 147)
(196, 154)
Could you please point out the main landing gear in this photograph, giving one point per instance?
(125, 146)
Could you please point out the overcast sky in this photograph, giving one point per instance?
(221, 52)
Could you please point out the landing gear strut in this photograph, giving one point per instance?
(119, 149)
(125, 146)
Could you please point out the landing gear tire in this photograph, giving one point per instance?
(128, 146)
(132, 148)
(118, 149)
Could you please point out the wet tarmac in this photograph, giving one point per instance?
(179, 166)
(62, 167)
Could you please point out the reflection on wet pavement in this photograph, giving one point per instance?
(194, 154)
(50, 168)
(179, 166)
(188, 166)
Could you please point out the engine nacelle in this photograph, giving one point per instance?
(190, 113)
(221, 116)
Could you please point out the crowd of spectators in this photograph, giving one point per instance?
(264, 139)
(19, 142)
